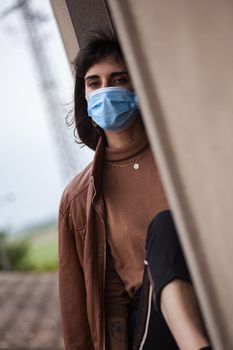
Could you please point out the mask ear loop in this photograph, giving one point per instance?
(97, 128)
(94, 124)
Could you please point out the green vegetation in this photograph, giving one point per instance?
(35, 251)
(12, 253)
(42, 256)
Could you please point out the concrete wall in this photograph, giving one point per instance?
(66, 28)
(76, 18)
(181, 60)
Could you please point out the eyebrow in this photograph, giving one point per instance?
(112, 75)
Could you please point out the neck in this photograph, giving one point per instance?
(124, 138)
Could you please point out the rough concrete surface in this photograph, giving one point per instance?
(29, 312)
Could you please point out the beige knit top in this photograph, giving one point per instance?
(133, 195)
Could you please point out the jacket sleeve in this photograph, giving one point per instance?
(75, 326)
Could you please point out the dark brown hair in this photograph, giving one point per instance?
(99, 44)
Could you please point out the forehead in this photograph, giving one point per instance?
(106, 66)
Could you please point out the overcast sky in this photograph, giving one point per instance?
(30, 179)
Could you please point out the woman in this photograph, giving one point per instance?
(106, 302)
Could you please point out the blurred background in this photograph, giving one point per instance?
(38, 157)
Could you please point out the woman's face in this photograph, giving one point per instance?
(108, 72)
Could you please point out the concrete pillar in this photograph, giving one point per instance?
(75, 19)
(66, 28)
(180, 55)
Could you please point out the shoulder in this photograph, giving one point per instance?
(76, 189)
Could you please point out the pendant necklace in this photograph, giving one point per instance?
(135, 163)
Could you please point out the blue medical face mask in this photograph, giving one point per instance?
(113, 108)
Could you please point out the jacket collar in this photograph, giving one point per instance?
(98, 163)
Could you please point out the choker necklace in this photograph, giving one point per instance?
(135, 164)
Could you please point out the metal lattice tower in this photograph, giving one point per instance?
(65, 146)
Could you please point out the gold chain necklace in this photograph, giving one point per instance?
(135, 164)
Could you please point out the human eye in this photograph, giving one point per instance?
(93, 84)
(120, 81)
